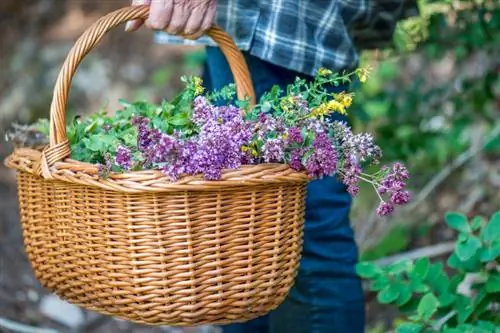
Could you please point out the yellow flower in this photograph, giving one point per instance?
(254, 152)
(345, 99)
(336, 106)
(198, 88)
(244, 149)
(324, 72)
(363, 74)
(321, 110)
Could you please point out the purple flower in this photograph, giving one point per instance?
(202, 110)
(400, 197)
(217, 146)
(385, 209)
(400, 171)
(273, 150)
(123, 157)
(323, 160)
(146, 136)
(139, 120)
(350, 176)
(294, 135)
(262, 117)
(296, 159)
(228, 113)
(394, 180)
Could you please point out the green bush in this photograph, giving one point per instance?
(429, 295)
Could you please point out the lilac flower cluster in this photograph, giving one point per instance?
(393, 185)
(323, 160)
(222, 133)
(123, 157)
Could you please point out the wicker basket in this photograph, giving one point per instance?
(142, 248)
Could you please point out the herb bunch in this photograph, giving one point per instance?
(201, 132)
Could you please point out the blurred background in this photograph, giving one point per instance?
(432, 101)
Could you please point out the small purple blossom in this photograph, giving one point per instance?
(400, 171)
(296, 159)
(123, 157)
(385, 209)
(294, 135)
(400, 197)
(273, 150)
(350, 176)
(262, 117)
(323, 160)
(202, 110)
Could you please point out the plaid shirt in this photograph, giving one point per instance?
(304, 35)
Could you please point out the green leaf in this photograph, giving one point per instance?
(94, 144)
(491, 231)
(446, 299)
(367, 270)
(452, 330)
(487, 325)
(464, 308)
(180, 119)
(428, 306)
(471, 265)
(419, 287)
(410, 328)
(388, 295)
(457, 222)
(399, 267)
(441, 283)
(468, 248)
(421, 268)
(435, 271)
(476, 223)
(489, 253)
(380, 283)
(454, 262)
(405, 294)
(410, 307)
(493, 283)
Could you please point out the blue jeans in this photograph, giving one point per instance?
(327, 296)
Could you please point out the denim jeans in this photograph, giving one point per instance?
(327, 296)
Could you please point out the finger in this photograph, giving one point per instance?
(135, 24)
(179, 19)
(160, 14)
(206, 24)
(209, 19)
(194, 21)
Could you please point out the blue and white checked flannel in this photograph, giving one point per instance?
(305, 35)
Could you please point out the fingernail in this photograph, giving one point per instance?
(128, 26)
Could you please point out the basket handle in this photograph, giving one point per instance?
(58, 148)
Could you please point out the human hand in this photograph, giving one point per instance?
(187, 17)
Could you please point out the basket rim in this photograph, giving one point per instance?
(77, 172)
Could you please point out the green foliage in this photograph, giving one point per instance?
(99, 134)
(425, 116)
(430, 297)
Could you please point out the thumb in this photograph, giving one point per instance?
(136, 24)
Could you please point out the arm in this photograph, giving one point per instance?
(187, 17)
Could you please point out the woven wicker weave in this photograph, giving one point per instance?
(145, 249)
